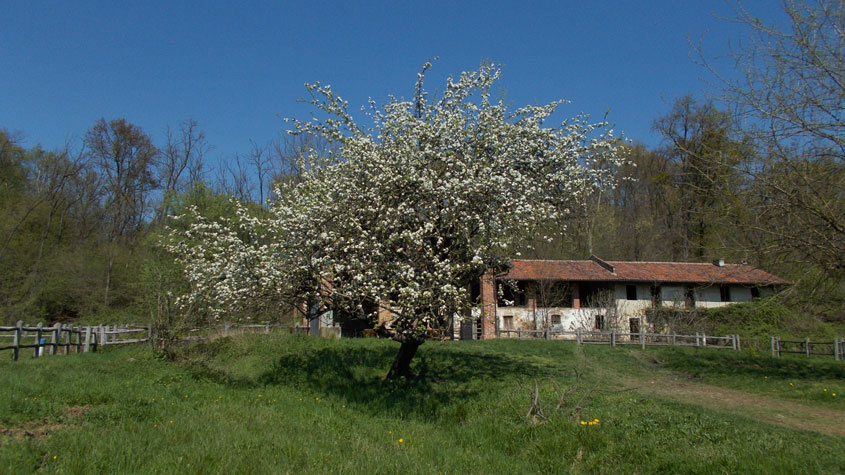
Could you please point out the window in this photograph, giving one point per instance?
(631, 292)
(656, 298)
(689, 297)
(599, 322)
(634, 323)
(755, 292)
(554, 294)
(555, 319)
(725, 293)
(508, 322)
(596, 294)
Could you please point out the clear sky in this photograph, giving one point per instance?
(237, 67)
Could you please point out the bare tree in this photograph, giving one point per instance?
(791, 96)
(259, 158)
(182, 154)
(233, 179)
(549, 294)
(125, 157)
(294, 154)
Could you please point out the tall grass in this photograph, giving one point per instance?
(285, 404)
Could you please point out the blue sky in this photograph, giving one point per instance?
(237, 67)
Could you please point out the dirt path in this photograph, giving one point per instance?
(755, 406)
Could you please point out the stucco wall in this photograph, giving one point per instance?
(572, 318)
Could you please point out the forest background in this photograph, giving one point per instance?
(752, 174)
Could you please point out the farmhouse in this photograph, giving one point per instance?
(597, 294)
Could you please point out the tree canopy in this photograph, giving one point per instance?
(406, 214)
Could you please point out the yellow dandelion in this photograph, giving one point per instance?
(343, 406)
(825, 389)
(583, 423)
(401, 440)
(54, 457)
(155, 425)
(259, 395)
(834, 394)
(390, 432)
(171, 422)
(791, 384)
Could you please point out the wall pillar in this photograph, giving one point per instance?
(576, 295)
(488, 306)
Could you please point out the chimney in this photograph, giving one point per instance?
(606, 265)
(719, 263)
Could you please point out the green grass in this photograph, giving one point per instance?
(792, 377)
(279, 404)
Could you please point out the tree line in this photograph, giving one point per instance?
(754, 174)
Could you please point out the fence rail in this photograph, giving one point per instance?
(614, 338)
(836, 348)
(65, 339)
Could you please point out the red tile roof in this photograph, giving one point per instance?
(670, 272)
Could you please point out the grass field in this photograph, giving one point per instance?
(292, 404)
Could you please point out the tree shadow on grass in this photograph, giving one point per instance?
(356, 375)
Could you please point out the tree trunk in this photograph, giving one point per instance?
(402, 363)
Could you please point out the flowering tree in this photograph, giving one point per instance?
(406, 214)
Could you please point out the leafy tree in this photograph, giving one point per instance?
(406, 215)
(705, 150)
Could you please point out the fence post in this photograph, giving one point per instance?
(836, 349)
(38, 349)
(612, 338)
(101, 339)
(54, 339)
(578, 336)
(703, 339)
(697, 342)
(519, 333)
(266, 328)
(738, 343)
(16, 341)
(733, 342)
(226, 327)
(642, 338)
(68, 329)
(807, 344)
(548, 335)
(673, 338)
(87, 345)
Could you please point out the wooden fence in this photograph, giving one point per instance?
(836, 348)
(614, 338)
(64, 339)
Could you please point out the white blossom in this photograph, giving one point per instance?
(408, 213)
